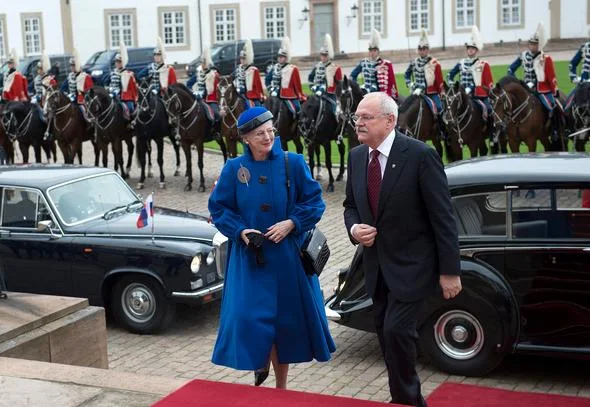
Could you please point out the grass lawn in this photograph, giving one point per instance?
(498, 71)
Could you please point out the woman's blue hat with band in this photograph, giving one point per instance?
(252, 118)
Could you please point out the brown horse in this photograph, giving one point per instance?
(519, 113)
(231, 106)
(464, 123)
(68, 126)
(578, 116)
(285, 123)
(6, 146)
(417, 120)
(194, 128)
(349, 95)
(110, 127)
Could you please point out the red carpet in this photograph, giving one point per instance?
(466, 395)
(218, 394)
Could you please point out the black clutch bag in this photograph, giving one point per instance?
(314, 252)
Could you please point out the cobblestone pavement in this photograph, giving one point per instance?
(357, 369)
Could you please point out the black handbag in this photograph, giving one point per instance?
(314, 252)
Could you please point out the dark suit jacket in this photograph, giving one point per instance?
(416, 232)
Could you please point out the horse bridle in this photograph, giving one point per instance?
(144, 106)
(98, 120)
(58, 111)
(182, 115)
(511, 115)
(20, 130)
(223, 86)
(449, 98)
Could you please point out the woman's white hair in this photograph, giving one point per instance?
(386, 103)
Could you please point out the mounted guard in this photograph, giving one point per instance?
(325, 75)
(284, 80)
(122, 84)
(43, 66)
(378, 73)
(247, 78)
(424, 76)
(539, 76)
(476, 78)
(205, 90)
(15, 84)
(161, 75)
(77, 84)
(582, 55)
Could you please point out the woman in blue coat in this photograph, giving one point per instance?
(271, 309)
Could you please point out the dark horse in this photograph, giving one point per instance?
(110, 127)
(464, 123)
(579, 116)
(152, 125)
(194, 128)
(231, 105)
(519, 113)
(68, 126)
(417, 120)
(349, 95)
(320, 127)
(21, 122)
(6, 146)
(285, 123)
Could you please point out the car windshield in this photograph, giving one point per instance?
(215, 50)
(91, 198)
(22, 65)
(94, 57)
(103, 58)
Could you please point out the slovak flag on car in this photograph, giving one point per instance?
(146, 212)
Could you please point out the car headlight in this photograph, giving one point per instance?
(196, 264)
(96, 72)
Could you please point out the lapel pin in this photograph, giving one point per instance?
(392, 165)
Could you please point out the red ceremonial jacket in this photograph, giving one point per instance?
(386, 77)
(333, 75)
(167, 77)
(211, 83)
(254, 89)
(128, 86)
(291, 83)
(545, 71)
(83, 83)
(15, 88)
(482, 76)
(434, 77)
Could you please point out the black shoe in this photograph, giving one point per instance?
(260, 376)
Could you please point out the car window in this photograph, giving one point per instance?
(481, 215)
(23, 209)
(229, 52)
(104, 58)
(140, 55)
(90, 198)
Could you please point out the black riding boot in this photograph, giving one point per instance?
(442, 129)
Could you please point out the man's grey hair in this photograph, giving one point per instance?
(386, 103)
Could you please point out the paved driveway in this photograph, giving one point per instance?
(357, 368)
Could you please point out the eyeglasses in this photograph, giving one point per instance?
(366, 118)
(260, 134)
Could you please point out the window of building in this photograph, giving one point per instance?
(32, 35)
(419, 15)
(225, 24)
(372, 16)
(511, 12)
(3, 50)
(121, 27)
(275, 21)
(174, 27)
(465, 13)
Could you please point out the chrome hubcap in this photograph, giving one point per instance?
(138, 303)
(459, 335)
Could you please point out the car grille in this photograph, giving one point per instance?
(220, 245)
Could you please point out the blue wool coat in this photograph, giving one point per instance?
(276, 302)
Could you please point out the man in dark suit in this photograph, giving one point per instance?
(398, 207)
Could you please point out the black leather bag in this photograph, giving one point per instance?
(314, 251)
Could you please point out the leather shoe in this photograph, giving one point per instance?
(260, 376)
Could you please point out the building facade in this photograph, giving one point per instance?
(187, 25)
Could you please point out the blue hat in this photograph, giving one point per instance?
(252, 118)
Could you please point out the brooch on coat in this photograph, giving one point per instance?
(244, 175)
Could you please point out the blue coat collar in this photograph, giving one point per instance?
(276, 150)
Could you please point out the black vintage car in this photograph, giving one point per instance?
(524, 232)
(71, 230)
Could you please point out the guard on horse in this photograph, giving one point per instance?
(284, 80)
(424, 76)
(77, 85)
(160, 74)
(246, 78)
(205, 90)
(122, 85)
(326, 75)
(582, 55)
(378, 73)
(15, 84)
(476, 78)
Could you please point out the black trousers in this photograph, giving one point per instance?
(396, 328)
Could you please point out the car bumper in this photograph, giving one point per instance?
(204, 294)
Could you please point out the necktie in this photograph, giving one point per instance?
(374, 182)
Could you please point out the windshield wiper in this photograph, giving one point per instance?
(120, 208)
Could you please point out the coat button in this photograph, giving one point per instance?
(265, 207)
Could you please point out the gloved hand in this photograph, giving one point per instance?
(468, 90)
(154, 91)
(72, 97)
(530, 85)
(34, 101)
(575, 79)
(255, 241)
(417, 91)
(274, 93)
(410, 85)
(318, 93)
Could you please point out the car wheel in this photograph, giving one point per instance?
(139, 304)
(462, 342)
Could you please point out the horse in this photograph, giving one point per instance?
(194, 128)
(152, 124)
(231, 106)
(349, 95)
(6, 146)
(110, 127)
(285, 123)
(321, 127)
(464, 123)
(578, 117)
(519, 113)
(22, 123)
(417, 120)
(68, 126)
